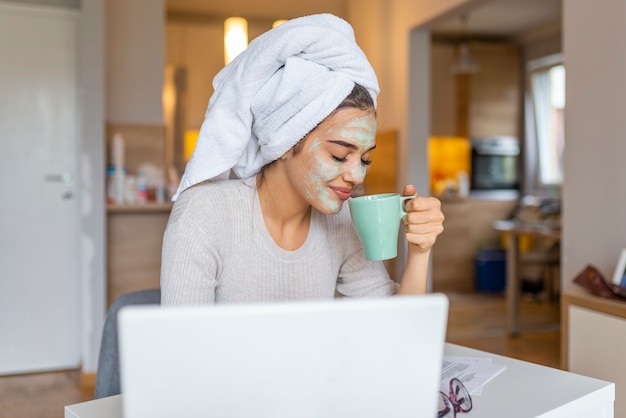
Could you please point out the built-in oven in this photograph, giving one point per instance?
(495, 163)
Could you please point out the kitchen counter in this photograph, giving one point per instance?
(501, 195)
(488, 195)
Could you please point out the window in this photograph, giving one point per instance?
(547, 107)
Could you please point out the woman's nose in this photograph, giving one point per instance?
(355, 173)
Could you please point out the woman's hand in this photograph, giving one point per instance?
(424, 221)
(422, 225)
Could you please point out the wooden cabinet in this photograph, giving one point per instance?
(467, 227)
(495, 91)
(134, 240)
(481, 104)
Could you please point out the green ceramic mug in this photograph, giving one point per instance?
(376, 219)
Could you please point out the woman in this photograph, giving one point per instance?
(287, 137)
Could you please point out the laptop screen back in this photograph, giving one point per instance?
(340, 358)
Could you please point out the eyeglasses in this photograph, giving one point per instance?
(458, 400)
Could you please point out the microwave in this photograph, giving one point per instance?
(495, 163)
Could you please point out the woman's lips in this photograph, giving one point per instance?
(342, 192)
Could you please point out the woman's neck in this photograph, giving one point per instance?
(286, 215)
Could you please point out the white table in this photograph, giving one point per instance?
(523, 390)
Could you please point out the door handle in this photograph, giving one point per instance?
(66, 179)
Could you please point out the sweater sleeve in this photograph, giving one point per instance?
(189, 259)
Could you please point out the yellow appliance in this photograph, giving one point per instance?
(450, 164)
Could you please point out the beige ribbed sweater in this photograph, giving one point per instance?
(216, 248)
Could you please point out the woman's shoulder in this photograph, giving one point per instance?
(215, 197)
(211, 189)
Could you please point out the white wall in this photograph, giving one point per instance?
(135, 64)
(93, 240)
(594, 194)
(121, 78)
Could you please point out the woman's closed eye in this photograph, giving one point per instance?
(345, 159)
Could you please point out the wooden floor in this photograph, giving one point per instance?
(479, 321)
(475, 320)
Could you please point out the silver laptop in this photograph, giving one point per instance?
(342, 358)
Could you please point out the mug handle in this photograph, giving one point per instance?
(402, 200)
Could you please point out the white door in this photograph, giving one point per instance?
(39, 218)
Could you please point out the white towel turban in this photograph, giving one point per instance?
(280, 88)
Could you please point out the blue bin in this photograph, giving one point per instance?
(490, 270)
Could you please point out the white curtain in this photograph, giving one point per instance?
(549, 147)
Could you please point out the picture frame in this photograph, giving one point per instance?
(619, 276)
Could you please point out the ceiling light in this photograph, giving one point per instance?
(278, 22)
(235, 37)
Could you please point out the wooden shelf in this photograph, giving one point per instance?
(584, 299)
(140, 208)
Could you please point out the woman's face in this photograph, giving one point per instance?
(333, 159)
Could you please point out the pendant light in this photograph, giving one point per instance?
(465, 63)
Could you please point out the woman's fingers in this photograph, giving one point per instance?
(424, 221)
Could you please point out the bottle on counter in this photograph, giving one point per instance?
(130, 190)
(160, 191)
(117, 151)
(116, 179)
(110, 185)
(119, 172)
(464, 184)
(142, 187)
